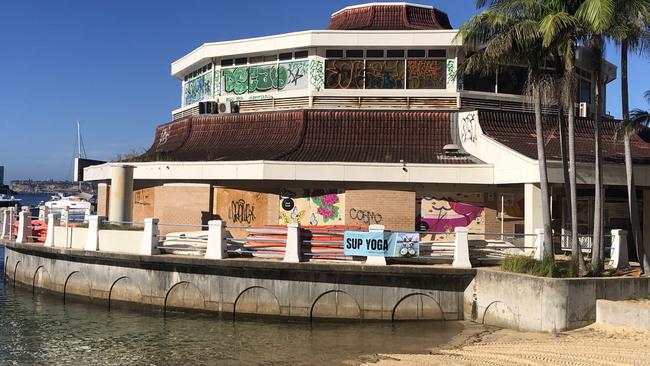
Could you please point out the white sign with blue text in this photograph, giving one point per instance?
(381, 244)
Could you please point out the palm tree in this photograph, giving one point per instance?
(502, 35)
(561, 29)
(630, 31)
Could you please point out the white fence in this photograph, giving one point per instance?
(462, 249)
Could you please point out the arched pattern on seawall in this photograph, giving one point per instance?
(417, 306)
(256, 300)
(76, 283)
(124, 289)
(184, 295)
(335, 304)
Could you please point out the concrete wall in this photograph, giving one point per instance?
(530, 303)
(76, 236)
(631, 314)
(244, 286)
(120, 241)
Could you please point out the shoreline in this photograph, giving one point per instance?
(596, 344)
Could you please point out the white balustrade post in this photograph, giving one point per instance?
(49, 237)
(150, 237)
(293, 252)
(24, 227)
(374, 260)
(92, 240)
(6, 224)
(42, 212)
(461, 248)
(539, 244)
(217, 248)
(12, 220)
(618, 257)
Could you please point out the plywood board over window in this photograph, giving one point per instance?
(244, 208)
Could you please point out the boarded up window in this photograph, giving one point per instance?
(344, 74)
(386, 74)
(426, 74)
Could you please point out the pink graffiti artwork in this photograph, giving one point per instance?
(445, 214)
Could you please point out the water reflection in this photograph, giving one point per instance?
(39, 329)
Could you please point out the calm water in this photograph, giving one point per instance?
(41, 330)
(33, 199)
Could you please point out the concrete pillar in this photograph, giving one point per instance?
(532, 211)
(618, 257)
(461, 248)
(49, 237)
(217, 248)
(376, 261)
(92, 241)
(120, 199)
(539, 244)
(24, 227)
(293, 250)
(150, 237)
(6, 224)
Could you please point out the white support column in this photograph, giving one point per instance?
(120, 197)
(293, 250)
(42, 212)
(539, 244)
(6, 224)
(24, 227)
(92, 240)
(372, 260)
(532, 211)
(217, 248)
(65, 219)
(618, 257)
(461, 248)
(150, 237)
(49, 238)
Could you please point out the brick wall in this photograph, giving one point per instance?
(143, 203)
(393, 209)
(182, 204)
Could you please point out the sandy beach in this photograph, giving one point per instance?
(593, 345)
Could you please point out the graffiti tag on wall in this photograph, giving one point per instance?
(197, 89)
(241, 212)
(251, 79)
(367, 217)
(468, 128)
(316, 74)
(426, 74)
(384, 74)
(344, 74)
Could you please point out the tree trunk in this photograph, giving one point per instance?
(629, 173)
(598, 251)
(576, 250)
(543, 178)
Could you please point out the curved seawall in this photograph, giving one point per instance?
(243, 286)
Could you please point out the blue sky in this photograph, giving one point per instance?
(107, 64)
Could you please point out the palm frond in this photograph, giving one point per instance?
(598, 14)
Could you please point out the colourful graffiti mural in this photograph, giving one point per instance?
(344, 74)
(198, 88)
(314, 207)
(448, 212)
(385, 74)
(426, 74)
(251, 79)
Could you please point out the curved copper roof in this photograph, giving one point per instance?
(389, 16)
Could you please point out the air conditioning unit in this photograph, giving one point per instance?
(583, 110)
(208, 107)
(228, 107)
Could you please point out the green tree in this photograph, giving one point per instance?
(504, 34)
(630, 31)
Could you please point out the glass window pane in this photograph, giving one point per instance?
(477, 82)
(301, 54)
(512, 79)
(354, 54)
(438, 53)
(585, 91)
(334, 53)
(375, 53)
(385, 74)
(395, 53)
(286, 56)
(241, 61)
(417, 53)
(227, 62)
(344, 74)
(426, 74)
